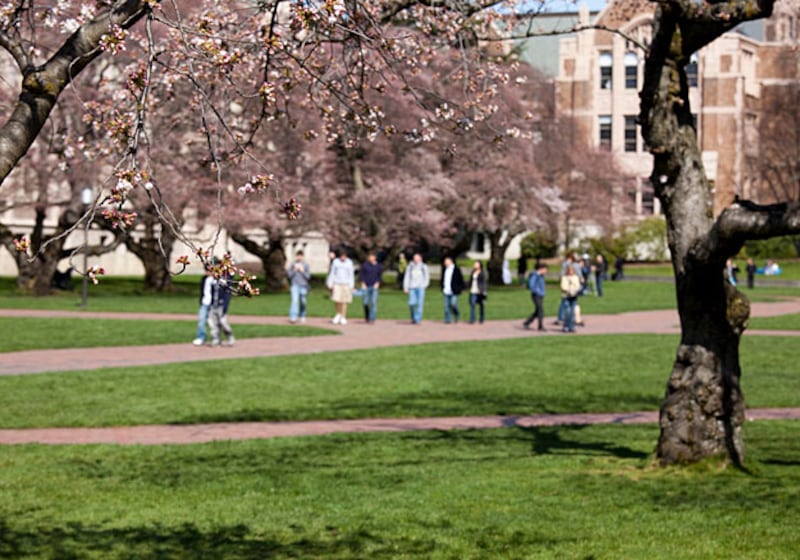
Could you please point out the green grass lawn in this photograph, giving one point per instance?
(522, 376)
(566, 492)
(780, 323)
(34, 333)
(790, 270)
(125, 295)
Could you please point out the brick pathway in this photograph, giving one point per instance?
(355, 335)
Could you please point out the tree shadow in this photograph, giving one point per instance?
(551, 440)
(238, 542)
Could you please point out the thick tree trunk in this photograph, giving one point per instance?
(154, 250)
(497, 254)
(272, 256)
(703, 409)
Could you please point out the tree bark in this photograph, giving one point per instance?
(42, 85)
(272, 257)
(703, 409)
(497, 253)
(154, 250)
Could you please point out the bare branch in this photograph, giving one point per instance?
(745, 220)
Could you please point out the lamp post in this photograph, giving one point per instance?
(86, 199)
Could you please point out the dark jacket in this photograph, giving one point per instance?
(221, 295)
(456, 283)
(370, 274)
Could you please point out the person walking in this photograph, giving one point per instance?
(452, 285)
(341, 280)
(370, 278)
(299, 278)
(218, 312)
(402, 264)
(206, 286)
(600, 270)
(416, 279)
(751, 274)
(522, 269)
(477, 291)
(570, 289)
(536, 285)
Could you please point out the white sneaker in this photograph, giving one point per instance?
(231, 340)
(198, 342)
(342, 321)
(336, 319)
(302, 319)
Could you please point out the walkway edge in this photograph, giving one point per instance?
(204, 433)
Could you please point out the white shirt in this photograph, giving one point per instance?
(447, 288)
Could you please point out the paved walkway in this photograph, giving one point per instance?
(204, 433)
(355, 335)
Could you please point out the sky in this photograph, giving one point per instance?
(573, 5)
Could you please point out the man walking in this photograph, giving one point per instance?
(370, 277)
(299, 277)
(536, 285)
(452, 285)
(415, 280)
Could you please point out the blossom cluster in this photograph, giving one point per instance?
(93, 272)
(22, 244)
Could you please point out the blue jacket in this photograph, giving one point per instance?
(536, 284)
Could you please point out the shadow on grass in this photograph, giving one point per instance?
(431, 404)
(552, 441)
(77, 540)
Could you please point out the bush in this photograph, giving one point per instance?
(786, 247)
(538, 245)
(643, 241)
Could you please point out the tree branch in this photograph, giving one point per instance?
(745, 220)
(42, 85)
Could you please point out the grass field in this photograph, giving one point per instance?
(789, 322)
(34, 333)
(790, 271)
(119, 294)
(522, 376)
(568, 492)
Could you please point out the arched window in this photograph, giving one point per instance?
(606, 69)
(631, 70)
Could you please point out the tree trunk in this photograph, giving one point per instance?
(154, 250)
(272, 257)
(497, 254)
(703, 409)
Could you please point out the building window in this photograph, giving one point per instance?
(631, 71)
(606, 70)
(630, 133)
(605, 131)
(691, 71)
(648, 199)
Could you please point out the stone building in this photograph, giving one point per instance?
(599, 74)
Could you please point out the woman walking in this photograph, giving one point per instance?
(477, 291)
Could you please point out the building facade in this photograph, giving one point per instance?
(600, 73)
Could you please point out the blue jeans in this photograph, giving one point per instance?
(569, 314)
(371, 303)
(202, 319)
(299, 300)
(475, 299)
(562, 310)
(416, 303)
(451, 308)
(598, 280)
